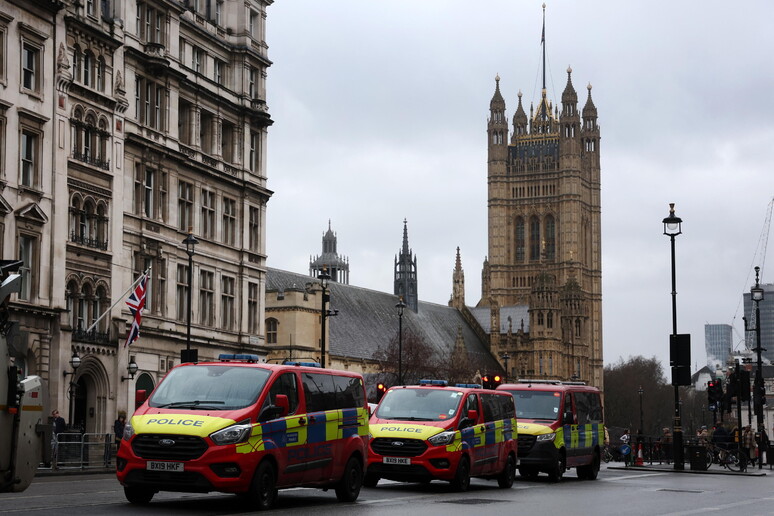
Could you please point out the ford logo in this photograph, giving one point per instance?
(397, 443)
(166, 442)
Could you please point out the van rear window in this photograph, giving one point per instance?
(210, 387)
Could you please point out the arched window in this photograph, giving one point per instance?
(520, 241)
(102, 226)
(271, 331)
(88, 63)
(102, 303)
(550, 320)
(100, 73)
(103, 140)
(577, 328)
(77, 63)
(540, 318)
(534, 238)
(71, 295)
(75, 217)
(88, 232)
(550, 237)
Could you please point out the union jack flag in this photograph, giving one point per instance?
(136, 303)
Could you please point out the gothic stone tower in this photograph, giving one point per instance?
(406, 273)
(544, 232)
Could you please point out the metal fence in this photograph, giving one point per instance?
(82, 451)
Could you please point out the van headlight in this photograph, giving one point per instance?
(232, 434)
(546, 437)
(128, 431)
(442, 438)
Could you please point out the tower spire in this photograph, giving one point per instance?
(543, 43)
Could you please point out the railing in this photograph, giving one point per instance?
(81, 451)
(88, 242)
(91, 160)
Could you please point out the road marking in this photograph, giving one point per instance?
(628, 477)
(720, 507)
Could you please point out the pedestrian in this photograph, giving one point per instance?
(666, 443)
(625, 438)
(748, 443)
(118, 428)
(57, 427)
(702, 434)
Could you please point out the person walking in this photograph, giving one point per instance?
(57, 427)
(118, 428)
(749, 446)
(625, 439)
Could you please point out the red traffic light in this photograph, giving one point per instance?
(497, 378)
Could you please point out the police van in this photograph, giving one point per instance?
(560, 427)
(250, 428)
(432, 431)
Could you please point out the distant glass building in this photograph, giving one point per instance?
(718, 342)
(767, 320)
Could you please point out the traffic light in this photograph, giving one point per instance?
(744, 388)
(714, 394)
(759, 396)
(380, 390)
(496, 380)
(486, 382)
(711, 394)
(491, 381)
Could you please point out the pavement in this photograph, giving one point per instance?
(712, 470)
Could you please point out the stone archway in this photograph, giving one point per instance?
(92, 388)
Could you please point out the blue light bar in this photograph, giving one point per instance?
(304, 364)
(442, 383)
(469, 385)
(244, 357)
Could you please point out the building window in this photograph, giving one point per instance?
(150, 103)
(88, 62)
(29, 153)
(182, 292)
(550, 236)
(218, 71)
(271, 331)
(208, 214)
(520, 242)
(227, 142)
(534, 239)
(227, 303)
(229, 221)
(206, 132)
(197, 60)
(150, 23)
(184, 206)
(155, 296)
(252, 308)
(253, 25)
(27, 254)
(3, 39)
(254, 146)
(206, 298)
(252, 77)
(30, 67)
(255, 228)
(150, 192)
(550, 320)
(90, 7)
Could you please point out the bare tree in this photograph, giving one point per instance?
(418, 360)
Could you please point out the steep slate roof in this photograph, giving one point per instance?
(517, 313)
(368, 319)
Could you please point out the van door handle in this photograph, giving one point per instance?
(301, 421)
(311, 419)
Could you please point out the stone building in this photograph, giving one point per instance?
(544, 253)
(330, 261)
(127, 126)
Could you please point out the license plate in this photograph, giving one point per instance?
(153, 465)
(396, 460)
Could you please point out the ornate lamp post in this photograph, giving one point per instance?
(324, 278)
(639, 436)
(190, 243)
(400, 306)
(756, 294)
(75, 362)
(505, 356)
(672, 228)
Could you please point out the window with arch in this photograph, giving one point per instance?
(540, 318)
(550, 320)
(88, 222)
(534, 238)
(89, 136)
(520, 240)
(550, 237)
(577, 328)
(271, 331)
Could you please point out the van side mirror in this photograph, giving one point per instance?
(469, 420)
(281, 402)
(140, 396)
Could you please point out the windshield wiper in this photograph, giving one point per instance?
(412, 418)
(191, 404)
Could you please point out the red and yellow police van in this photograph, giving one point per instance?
(560, 427)
(433, 431)
(239, 426)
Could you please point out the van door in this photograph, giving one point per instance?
(491, 449)
(570, 428)
(322, 425)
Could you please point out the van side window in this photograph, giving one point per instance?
(349, 392)
(492, 407)
(319, 392)
(568, 408)
(285, 384)
(471, 404)
(507, 407)
(589, 407)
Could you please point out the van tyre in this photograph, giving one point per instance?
(138, 495)
(461, 480)
(590, 471)
(263, 489)
(506, 477)
(555, 475)
(370, 480)
(348, 489)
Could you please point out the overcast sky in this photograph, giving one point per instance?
(380, 113)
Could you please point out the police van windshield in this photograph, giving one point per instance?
(419, 404)
(537, 404)
(210, 387)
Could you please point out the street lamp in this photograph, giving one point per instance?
(639, 437)
(672, 228)
(75, 362)
(505, 356)
(189, 355)
(756, 293)
(324, 278)
(400, 306)
(131, 369)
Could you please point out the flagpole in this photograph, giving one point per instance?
(94, 324)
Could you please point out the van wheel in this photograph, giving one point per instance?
(461, 480)
(555, 475)
(348, 489)
(590, 471)
(263, 489)
(505, 479)
(138, 495)
(370, 480)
